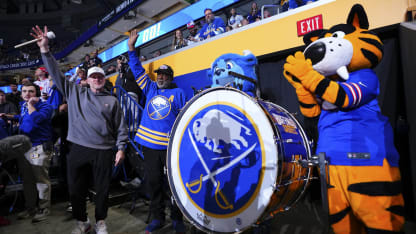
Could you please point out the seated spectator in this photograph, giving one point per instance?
(42, 80)
(27, 80)
(95, 61)
(193, 31)
(157, 53)
(244, 22)
(297, 3)
(143, 58)
(86, 63)
(35, 122)
(15, 96)
(235, 19)
(178, 40)
(111, 69)
(213, 26)
(266, 14)
(5, 106)
(68, 75)
(254, 14)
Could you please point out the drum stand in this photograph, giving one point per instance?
(320, 162)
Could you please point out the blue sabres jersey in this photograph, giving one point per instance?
(162, 107)
(216, 27)
(358, 135)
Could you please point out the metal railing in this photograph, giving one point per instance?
(132, 115)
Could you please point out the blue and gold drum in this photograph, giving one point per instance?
(233, 160)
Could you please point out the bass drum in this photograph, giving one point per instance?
(233, 160)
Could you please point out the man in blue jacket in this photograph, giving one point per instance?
(35, 122)
(212, 27)
(163, 103)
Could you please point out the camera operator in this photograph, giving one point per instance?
(126, 80)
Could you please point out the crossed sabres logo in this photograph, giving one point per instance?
(159, 107)
(202, 135)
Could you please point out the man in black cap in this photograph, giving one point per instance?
(163, 103)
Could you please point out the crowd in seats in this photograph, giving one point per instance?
(213, 25)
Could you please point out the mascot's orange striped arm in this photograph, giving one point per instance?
(307, 100)
(302, 72)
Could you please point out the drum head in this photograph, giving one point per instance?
(222, 160)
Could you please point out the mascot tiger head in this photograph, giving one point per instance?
(344, 48)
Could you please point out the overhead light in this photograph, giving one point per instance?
(77, 1)
(130, 15)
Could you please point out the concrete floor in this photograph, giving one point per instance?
(305, 218)
(300, 220)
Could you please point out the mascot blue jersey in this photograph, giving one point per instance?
(359, 134)
(212, 29)
(162, 107)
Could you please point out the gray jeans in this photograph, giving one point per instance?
(40, 161)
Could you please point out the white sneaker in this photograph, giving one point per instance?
(82, 227)
(101, 227)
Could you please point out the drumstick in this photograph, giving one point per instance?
(49, 34)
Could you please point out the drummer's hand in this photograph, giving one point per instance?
(132, 39)
(38, 34)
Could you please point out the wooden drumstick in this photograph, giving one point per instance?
(49, 34)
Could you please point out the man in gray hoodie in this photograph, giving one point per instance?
(96, 125)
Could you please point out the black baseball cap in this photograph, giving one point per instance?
(165, 69)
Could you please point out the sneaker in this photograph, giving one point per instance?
(100, 227)
(28, 213)
(178, 226)
(153, 226)
(41, 215)
(69, 208)
(82, 227)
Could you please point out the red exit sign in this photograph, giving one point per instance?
(309, 25)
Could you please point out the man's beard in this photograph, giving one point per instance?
(164, 85)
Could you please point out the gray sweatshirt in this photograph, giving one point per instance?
(95, 119)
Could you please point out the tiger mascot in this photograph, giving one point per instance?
(336, 87)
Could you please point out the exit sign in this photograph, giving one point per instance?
(310, 24)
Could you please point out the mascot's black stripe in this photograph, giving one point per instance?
(295, 79)
(380, 231)
(376, 188)
(304, 105)
(339, 102)
(369, 32)
(373, 42)
(322, 86)
(398, 210)
(370, 56)
(335, 218)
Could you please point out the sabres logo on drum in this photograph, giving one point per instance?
(216, 125)
(159, 107)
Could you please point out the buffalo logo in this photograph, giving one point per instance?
(216, 125)
(223, 152)
(158, 107)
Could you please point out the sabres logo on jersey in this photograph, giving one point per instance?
(159, 107)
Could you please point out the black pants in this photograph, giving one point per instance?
(81, 161)
(158, 188)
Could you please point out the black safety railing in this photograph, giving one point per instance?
(132, 115)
